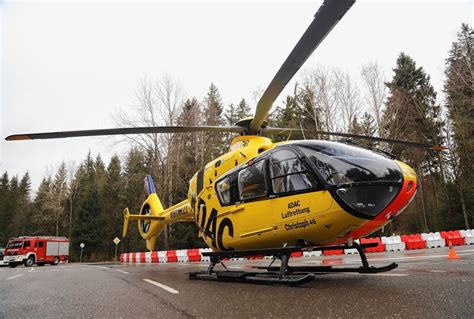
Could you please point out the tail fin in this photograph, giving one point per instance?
(149, 185)
(152, 218)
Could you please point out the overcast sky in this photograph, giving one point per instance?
(71, 65)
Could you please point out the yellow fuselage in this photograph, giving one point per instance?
(312, 217)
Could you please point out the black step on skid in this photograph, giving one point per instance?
(284, 274)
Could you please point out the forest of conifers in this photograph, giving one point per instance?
(85, 201)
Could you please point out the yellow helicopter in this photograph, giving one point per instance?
(265, 198)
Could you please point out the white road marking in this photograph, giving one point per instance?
(466, 250)
(31, 269)
(434, 270)
(15, 277)
(100, 267)
(122, 271)
(164, 287)
(405, 258)
(387, 275)
(235, 267)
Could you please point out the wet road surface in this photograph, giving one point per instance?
(426, 284)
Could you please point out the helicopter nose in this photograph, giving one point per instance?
(380, 201)
(406, 194)
(396, 207)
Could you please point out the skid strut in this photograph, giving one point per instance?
(283, 274)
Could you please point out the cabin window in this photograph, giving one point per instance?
(288, 174)
(223, 190)
(26, 244)
(41, 244)
(252, 181)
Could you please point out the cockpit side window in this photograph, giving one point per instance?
(251, 181)
(288, 174)
(224, 190)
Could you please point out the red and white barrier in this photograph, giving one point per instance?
(392, 243)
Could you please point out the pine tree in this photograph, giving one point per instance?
(134, 175)
(411, 113)
(22, 221)
(88, 222)
(242, 110)
(213, 143)
(4, 213)
(13, 206)
(187, 145)
(57, 199)
(231, 114)
(290, 115)
(459, 92)
(366, 126)
(113, 192)
(42, 215)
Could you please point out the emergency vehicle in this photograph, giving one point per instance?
(40, 250)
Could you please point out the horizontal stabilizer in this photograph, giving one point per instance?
(127, 217)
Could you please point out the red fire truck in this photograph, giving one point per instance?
(28, 250)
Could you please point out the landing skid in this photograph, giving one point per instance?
(284, 274)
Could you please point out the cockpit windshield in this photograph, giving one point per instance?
(360, 180)
(341, 164)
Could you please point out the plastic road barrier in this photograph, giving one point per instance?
(162, 257)
(414, 241)
(379, 248)
(452, 236)
(468, 236)
(433, 240)
(171, 255)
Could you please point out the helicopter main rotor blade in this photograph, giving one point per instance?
(286, 131)
(125, 131)
(325, 19)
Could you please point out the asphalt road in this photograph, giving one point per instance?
(425, 284)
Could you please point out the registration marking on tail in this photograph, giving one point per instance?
(164, 287)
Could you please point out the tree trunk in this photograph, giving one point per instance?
(70, 219)
(445, 186)
(423, 209)
(463, 205)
